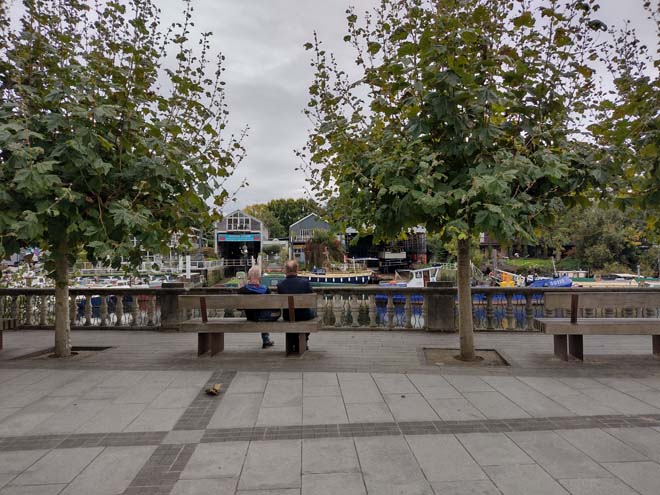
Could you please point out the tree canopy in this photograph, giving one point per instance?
(463, 119)
(628, 126)
(103, 138)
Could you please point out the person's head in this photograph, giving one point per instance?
(291, 267)
(254, 275)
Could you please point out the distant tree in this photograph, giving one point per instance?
(289, 211)
(467, 125)
(262, 212)
(102, 138)
(605, 235)
(323, 248)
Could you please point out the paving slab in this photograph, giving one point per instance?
(69, 419)
(58, 466)
(556, 455)
(320, 379)
(601, 446)
(359, 388)
(494, 405)
(248, 383)
(329, 455)
(216, 460)
(155, 420)
(280, 416)
(18, 461)
(272, 464)
(376, 412)
(455, 409)
(644, 440)
(410, 407)
(620, 401)
(323, 410)
(237, 410)
(479, 487)
(524, 480)
(583, 405)
(50, 489)
(214, 486)
(283, 393)
(113, 417)
(467, 383)
(394, 383)
(333, 483)
(526, 397)
(597, 486)
(175, 397)
(285, 491)
(642, 476)
(443, 458)
(389, 466)
(111, 472)
(493, 449)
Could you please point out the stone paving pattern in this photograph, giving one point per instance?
(101, 424)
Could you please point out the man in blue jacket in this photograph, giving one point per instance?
(293, 284)
(254, 286)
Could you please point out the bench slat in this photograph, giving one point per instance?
(241, 325)
(599, 326)
(602, 300)
(249, 301)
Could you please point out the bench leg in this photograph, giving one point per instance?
(203, 341)
(656, 345)
(217, 343)
(1, 339)
(576, 347)
(296, 344)
(560, 347)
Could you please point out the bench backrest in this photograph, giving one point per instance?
(575, 302)
(249, 301)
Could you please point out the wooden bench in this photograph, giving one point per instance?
(571, 330)
(6, 324)
(210, 330)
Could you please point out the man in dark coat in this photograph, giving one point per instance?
(293, 284)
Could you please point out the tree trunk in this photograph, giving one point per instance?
(465, 326)
(62, 322)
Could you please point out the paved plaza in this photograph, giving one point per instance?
(361, 413)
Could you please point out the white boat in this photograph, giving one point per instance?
(418, 278)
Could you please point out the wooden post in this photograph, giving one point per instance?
(560, 347)
(576, 347)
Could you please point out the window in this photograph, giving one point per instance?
(238, 222)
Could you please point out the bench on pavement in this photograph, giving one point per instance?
(211, 329)
(570, 331)
(6, 324)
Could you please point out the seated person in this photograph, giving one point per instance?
(254, 286)
(293, 284)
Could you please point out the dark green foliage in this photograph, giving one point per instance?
(101, 140)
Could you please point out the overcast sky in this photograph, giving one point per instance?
(268, 74)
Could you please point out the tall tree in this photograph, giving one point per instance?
(628, 128)
(263, 213)
(461, 119)
(289, 211)
(102, 137)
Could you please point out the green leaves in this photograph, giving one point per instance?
(467, 121)
(92, 151)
